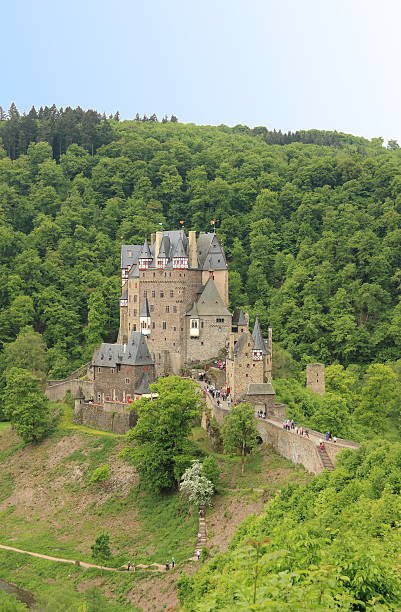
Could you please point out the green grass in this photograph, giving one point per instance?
(67, 423)
(6, 485)
(4, 425)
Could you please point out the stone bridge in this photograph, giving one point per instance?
(296, 448)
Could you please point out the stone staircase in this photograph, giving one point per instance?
(201, 541)
(325, 459)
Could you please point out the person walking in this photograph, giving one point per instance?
(172, 562)
(198, 554)
(167, 566)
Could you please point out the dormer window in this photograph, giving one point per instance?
(257, 355)
(161, 262)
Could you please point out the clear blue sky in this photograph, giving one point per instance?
(285, 64)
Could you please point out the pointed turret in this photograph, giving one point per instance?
(164, 252)
(240, 321)
(180, 256)
(259, 347)
(145, 257)
(144, 318)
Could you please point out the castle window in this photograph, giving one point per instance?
(202, 343)
(161, 293)
(151, 308)
(174, 308)
(153, 293)
(153, 325)
(202, 324)
(135, 311)
(136, 285)
(171, 293)
(247, 375)
(167, 308)
(99, 370)
(194, 323)
(129, 253)
(134, 327)
(136, 298)
(99, 397)
(118, 367)
(164, 325)
(154, 274)
(145, 294)
(174, 328)
(220, 320)
(127, 381)
(247, 365)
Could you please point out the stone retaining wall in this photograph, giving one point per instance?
(110, 416)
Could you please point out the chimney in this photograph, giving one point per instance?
(152, 239)
(192, 250)
(158, 242)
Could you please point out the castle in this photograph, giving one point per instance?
(174, 314)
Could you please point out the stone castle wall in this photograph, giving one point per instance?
(109, 416)
(297, 449)
(57, 389)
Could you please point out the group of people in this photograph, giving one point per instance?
(289, 425)
(329, 437)
(170, 564)
(261, 414)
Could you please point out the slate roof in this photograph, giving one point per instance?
(210, 252)
(128, 260)
(239, 317)
(210, 301)
(134, 272)
(143, 386)
(179, 250)
(124, 294)
(175, 244)
(260, 389)
(258, 342)
(242, 339)
(135, 352)
(145, 312)
(145, 252)
(164, 247)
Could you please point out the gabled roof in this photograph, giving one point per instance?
(145, 312)
(143, 386)
(210, 301)
(124, 294)
(239, 317)
(145, 252)
(135, 352)
(260, 389)
(258, 342)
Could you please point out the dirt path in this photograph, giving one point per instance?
(157, 566)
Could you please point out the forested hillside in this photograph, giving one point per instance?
(312, 231)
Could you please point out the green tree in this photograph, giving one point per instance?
(239, 431)
(28, 351)
(101, 552)
(160, 435)
(25, 405)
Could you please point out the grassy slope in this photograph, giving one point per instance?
(47, 505)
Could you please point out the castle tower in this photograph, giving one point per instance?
(315, 378)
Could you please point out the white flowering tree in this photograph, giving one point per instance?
(196, 487)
